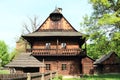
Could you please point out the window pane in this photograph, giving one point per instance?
(64, 67)
(63, 45)
(47, 45)
(47, 66)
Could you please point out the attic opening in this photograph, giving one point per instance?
(55, 16)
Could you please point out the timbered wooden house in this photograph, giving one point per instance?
(59, 46)
(108, 63)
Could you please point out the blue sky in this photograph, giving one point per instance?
(13, 13)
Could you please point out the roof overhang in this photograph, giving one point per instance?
(54, 34)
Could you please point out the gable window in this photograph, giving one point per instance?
(47, 66)
(64, 66)
(47, 45)
(63, 45)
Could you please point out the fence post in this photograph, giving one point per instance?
(42, 78)
(56, 74)
(28, 76)
(51, 75)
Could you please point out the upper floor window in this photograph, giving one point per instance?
(64, 66)
(63, 45)
(47, 45)
(47, 66)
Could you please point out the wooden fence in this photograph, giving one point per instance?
(29, 76)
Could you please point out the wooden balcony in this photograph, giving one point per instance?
(55, 52)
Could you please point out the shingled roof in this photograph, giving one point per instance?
(104, 57)
(25, 60)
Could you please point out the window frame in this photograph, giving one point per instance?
(64, 67)
(47, 45)
(48, 66)
(63, 45)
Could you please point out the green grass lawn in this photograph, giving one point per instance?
(98, 77)
(4, 72)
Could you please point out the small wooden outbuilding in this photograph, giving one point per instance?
(109, 63)
(25, 62)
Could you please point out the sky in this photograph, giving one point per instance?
(14, 13)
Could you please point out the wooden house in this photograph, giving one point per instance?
(25, 62)
(109, 63)
(59, 45)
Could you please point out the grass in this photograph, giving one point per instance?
(98, 77)
(4, 72)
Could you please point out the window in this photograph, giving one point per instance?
(47, 66)
(47, 45)
(64, 67)
(63, 45)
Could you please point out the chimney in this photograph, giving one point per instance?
(60, 10)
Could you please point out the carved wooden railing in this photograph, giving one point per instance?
(55, 51)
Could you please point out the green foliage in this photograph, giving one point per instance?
(4, 56)
(100, 45)
(102, 2)
(115, 42)
(4, 72)
(13, 54)
(60, 77)
(109, 19)
(98, 77)
(107, 12)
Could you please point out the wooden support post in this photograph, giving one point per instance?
(57, 51)
(28, 76)
(51, 75)
(43, 77)
(56, 74)
(57, 46)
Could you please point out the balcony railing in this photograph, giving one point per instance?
(55, 52)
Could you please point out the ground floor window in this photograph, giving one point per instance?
(47, 66)
(64, 66)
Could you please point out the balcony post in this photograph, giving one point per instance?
(57, 51)
(57, 46)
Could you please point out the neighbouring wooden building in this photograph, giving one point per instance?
(59, 45)
(109, 63)
(25, 62)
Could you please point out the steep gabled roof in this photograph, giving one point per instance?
(104, 57)
(49, 24)
(25, 60)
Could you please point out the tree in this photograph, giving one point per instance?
(107, 13)
(103, 27)
(4, 56)
(21, 43)
(32, 26)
